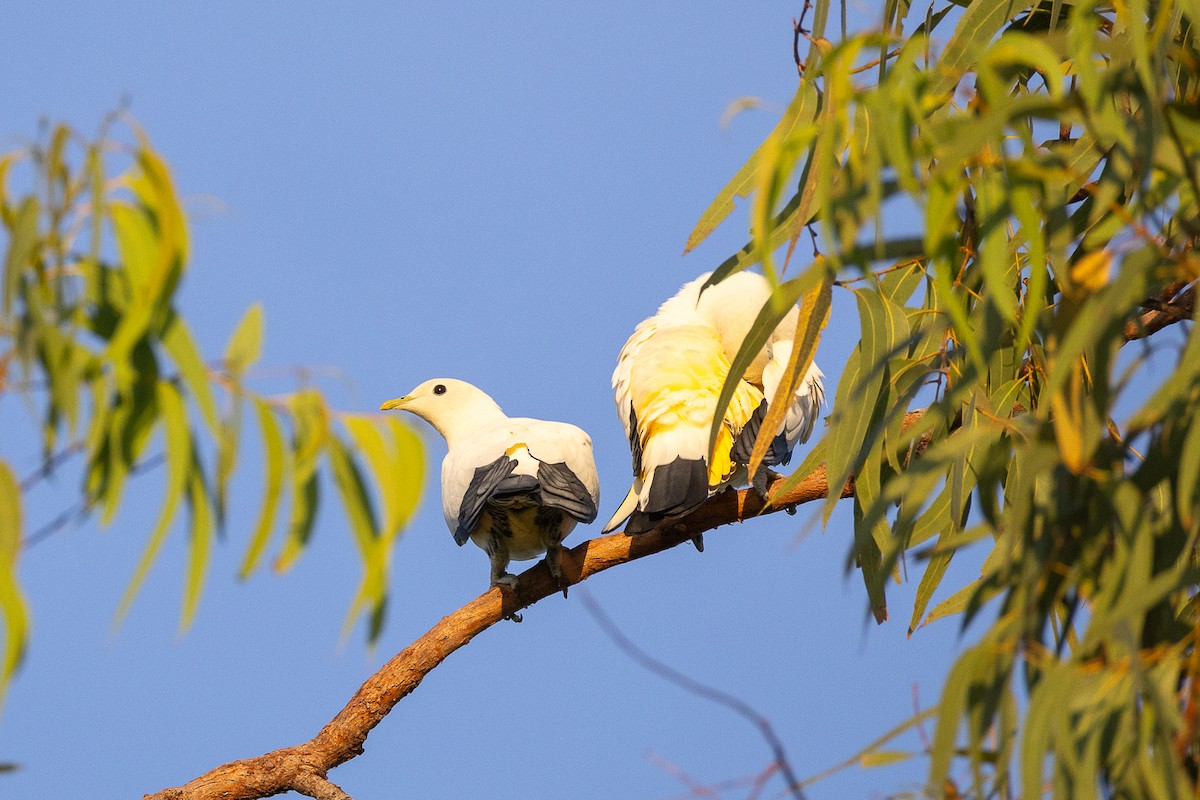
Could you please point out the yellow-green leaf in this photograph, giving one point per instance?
(180, 345)
(12, 601)
(20, 248)
(814, 314)
(801, 109)
(245, 344)
(274, 465)
(355, 498)
(178, 441)
(200, 545)
(881, 758)
(310, 421)
(777, 307)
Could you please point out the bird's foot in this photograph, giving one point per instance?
(762, 480)
(506, 579)
(698, 542)
(553, 561)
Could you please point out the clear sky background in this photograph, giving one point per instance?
(496, 192)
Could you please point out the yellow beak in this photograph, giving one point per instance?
(390, 404)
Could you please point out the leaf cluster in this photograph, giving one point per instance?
(93, 341)
(1051, 153)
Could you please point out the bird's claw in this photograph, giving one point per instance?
(553, 561)
(762, 480)
(506, 580)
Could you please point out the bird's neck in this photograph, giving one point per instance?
(466, 424)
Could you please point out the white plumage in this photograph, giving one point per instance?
(512, 485)
(668, 379)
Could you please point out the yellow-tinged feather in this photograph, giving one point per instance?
(677, 380)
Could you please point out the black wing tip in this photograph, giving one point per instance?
(743, 446)
(676, 488)
(640, 522)
(562, 489)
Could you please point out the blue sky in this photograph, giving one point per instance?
(492, 193)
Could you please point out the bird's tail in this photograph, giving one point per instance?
(628, 506)
(674, 490)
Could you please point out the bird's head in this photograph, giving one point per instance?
(453, 407)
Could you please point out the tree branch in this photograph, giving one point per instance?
(295, 768)
(303, 767)
(1173, 304)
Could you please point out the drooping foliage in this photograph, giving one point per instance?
(1046, 161)
(96, 356)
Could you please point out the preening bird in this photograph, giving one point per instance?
(667, 383)
(514, 486)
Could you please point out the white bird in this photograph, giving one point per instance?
(668, 379)
(512, 485)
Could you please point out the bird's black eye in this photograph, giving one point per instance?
(439, 389)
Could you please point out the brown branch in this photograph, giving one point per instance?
(303, 767)
(293, 768)
(1166, 308)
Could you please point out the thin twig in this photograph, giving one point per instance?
(48, 466)
(797, 32)
(695, 787)
(81, 508)
(697, 688)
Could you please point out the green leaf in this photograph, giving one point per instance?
(154, 244)
(814, 460)
(372, 547)
(199, 546)
(21, 248)
(1187, 492)
(870, 540)
(955, 603)
(980, 22)
(782, 300)
(132, 422)
(310, 422)
(274, 465)
(397, 464)
(866, 753)
(952, 708)
(409, 474)
(801, 109)
(355, 498)
(179, 460)
(12, 601)
(884, 326)
(882, 758)
(180, 345)
(306, 496)
(934, 572)
(814, 314)
(245, 344)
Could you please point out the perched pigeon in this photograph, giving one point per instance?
(514, 486)
(667, 382)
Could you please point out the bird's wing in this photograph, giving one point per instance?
(806, 402)
(560, 456)
(622, 391)
(491, 481)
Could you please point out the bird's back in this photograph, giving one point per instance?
(526, 441)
